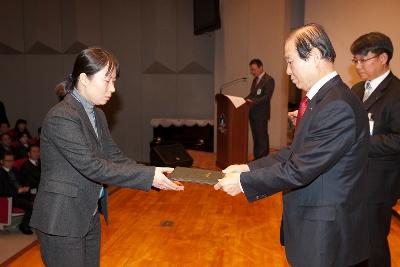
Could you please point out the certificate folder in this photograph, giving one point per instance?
(193, 175)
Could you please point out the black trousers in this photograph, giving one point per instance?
(24, 202)
(259, 131)
(379, 219)
(361, 264)
(64, 251)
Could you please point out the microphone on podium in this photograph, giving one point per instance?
(227, 84)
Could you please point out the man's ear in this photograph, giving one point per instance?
(383, 58)
(315, 54)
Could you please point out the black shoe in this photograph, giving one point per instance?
(26, 230)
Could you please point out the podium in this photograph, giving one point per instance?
(232, 132)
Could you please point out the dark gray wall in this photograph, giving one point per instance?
(166, 71)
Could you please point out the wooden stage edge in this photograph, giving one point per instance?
(196, 227)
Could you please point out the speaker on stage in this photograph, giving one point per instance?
(171, 155)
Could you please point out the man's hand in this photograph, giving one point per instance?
(23, 189)
(162, 182)
(230, 184)
(293, 116)
(236, 168)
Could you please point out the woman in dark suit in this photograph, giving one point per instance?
(79, 156)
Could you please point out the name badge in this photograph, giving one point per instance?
(371, 124)
(259, 91)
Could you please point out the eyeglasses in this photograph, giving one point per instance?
(355, 61)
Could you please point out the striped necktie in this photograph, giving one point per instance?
(368, 90)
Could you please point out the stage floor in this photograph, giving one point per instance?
(197, 227)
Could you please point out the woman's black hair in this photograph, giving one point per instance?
(89, 61)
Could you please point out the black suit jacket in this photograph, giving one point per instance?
(384, 144)
(323, 177)
(75, 163)
(7, 187)
(261, 94)
(30, 174)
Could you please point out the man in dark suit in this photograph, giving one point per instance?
(30, 170)
(380, 92)
(260, 95)
(323, 174)
(10, 186)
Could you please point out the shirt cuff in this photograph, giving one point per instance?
(240, 184)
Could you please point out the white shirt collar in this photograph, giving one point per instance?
(260, 77)
(6, 169)
(34, 162)
(377, 81)
(315, 88)
(87, 105)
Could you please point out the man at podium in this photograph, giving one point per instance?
(260, 95)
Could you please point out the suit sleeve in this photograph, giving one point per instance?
(65, 133)
(278, 157)
(382, 145)
(250, 95)
(267, 92)
(330, 136)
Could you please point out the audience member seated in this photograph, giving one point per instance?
(21, 126)
(4, 127)
(5, 144)
(22, 145)
(30, 171)
(10, 186)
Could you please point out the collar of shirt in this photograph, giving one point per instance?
(34, 162)
(315, 88)
(87, 105)
(261, 75)
(6, 169)
(375, 82)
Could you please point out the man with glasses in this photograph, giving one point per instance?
(380, 92)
